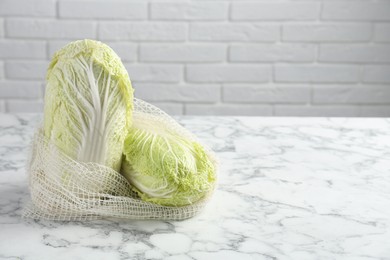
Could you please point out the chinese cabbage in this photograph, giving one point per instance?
(88, 103)
(165, 167)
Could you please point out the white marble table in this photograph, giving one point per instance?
(290, 188)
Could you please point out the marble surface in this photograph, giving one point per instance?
(290, 188)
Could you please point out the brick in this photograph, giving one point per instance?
(310, 110)
(360, 53)
(234, 32)
(334, 32)
(228, 73)
(99, 9)
(382, 33)
(36, 8)
(139, 31)
(273, 52)
(375, 111)
(170, 108)
(2, 106)
(183, 52)
(189, 11)
(356, 10)
(178, 93)
(52, 29)
(127, 51)
(1, 28)
(15, 49)
(377, 74)
(269, 94)
(154, 73)
(228, 110)
(275, 11)
(351, 95)
(316, 73)
(25, 106)
(26, 69)
(20, 89)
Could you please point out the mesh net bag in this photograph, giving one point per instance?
(64, 189)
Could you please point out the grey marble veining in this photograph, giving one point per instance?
(289, 188)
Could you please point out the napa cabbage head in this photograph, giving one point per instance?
(88, 103)
(165, 167)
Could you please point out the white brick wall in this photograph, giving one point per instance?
(382, 33)
(1, 70)
(187, 93)
(351, 95)
(234, 32)
(25, 69)
(270, 94)
(1, 27)
(142, 31)
(316, 73)
(189, 11)
(356, 10)
(179, 52)
(36, 8)
(273, 52)
(228, 73)
(38, 28)
(284, 11)
(327, 32)
(20, 89)
(223, 57)
(355, 53)
(21, 49)
(155, 72)
(101, 9)
(376, 74)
